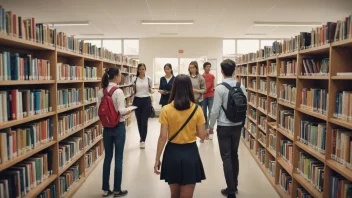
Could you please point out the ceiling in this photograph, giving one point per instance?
(213, 18)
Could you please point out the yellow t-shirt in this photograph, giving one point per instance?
(175, 119)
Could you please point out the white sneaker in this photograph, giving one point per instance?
(211, 136)
(142, 145)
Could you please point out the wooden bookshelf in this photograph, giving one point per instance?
(57, 55)
(339, 61)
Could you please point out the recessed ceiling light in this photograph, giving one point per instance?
(167, 22)
(287, 24)
(68, 23)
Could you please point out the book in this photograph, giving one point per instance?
(288, 68)
(272, 167)
(262, 86)
(49, 192)
(286, 120)
(272, 139)
(341, 150)
(313, 134)
(91, 134)
(315, 100)
(263, 103)
(287, 93)
(69, 72)
(272, 108)
(318, 67)
(343, 105)
(92, 156)
(262, 122)
(68, 149)
(69, 178)
(67, 122)
(261, 154)
(286, 151)
(285, 181)
(90, 113)
(311, 169)
(273, 88)
(90, 73)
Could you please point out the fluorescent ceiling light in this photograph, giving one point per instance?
(295, 24)
(169, 34)
(255, 34)
(167, 22)
(91, 35)
(69, 23)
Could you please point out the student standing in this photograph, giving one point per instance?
(181, 122)
(208, 96)
(166, 85)
(228, 128)
(142, 89)
(198, 82)
(114, 136)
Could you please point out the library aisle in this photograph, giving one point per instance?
(140, 181)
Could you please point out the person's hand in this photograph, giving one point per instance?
(211, 131)
(195, 91)
(157, 167)
(128, 112)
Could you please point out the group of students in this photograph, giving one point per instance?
(185, 100)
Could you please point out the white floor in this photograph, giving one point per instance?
(140, 180)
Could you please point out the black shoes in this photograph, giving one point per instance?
(226, 194)
(107, 193)
(231, 196)
(121, 193)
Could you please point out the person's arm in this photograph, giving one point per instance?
(202, 85)
(151, 90)
(121, 103)
(161, 88)
(163, 137)
(201, 125)
(214, 83)
(134, 85)
(215, 111)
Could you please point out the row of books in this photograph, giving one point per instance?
(90, 94)
(92, 156)
(23, 177)
(315, 100)
(69, 178)
(272, 70)
(49, 192)
(340, 187)
(262, 70)
(313, 134)
(288, 68)
(263, 103)
(243, 70)
(25, 28)
(286, 151)
(262, 86)
(263, 121)
(316, 67)
(68, 122)
(69, 72)
(252, 128)
(272, 139)
(253, 84)
(302, 193)
(91, 134)
(289, 45)
(311, 169)
(286, 120)
(15, 142)
(261, 154)
(251, 143)
(285, 181)
(343, 107)
(272, 108)
(90, 73)
(273, 88)
(272, 167)
(262, 137)
(68, 149)
(287, 93)
(253, 114)
(68, 98)
(23, 67)
(342, 146)
(252, 98)
(253, 70)
(90, 113)
(126, 80)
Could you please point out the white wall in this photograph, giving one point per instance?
(150, 48)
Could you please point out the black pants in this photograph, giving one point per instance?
(229, 139)
(142, 114)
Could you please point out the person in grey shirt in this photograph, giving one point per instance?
(229, 133)
(198, 82)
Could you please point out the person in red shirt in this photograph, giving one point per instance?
(209, 94)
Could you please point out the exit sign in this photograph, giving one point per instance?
(180, 51)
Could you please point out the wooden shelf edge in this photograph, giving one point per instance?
(90, 123)
(94, 143)
(281, 192)
(68, 108)
(286, 104)
(339, 168)
(70, 133)
(68, 81)
(288, 55)
(25, 120)
(341, 123)
(342, 43)
(322, 48)
(89, 103)
(287, 77)
(73, 160)
(37, 190)
(312, 113)
(23, 43)
(263, 145)
(308, 186)
(25, 82)
(341, 77)
(314, 77)
(62, 52)
(273, 153)
(16, 160)
(311, 151)
(286, 134)
(285, 165)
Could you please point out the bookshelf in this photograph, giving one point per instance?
(321, 115)
(86, 135)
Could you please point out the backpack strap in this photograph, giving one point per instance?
(227, 85)
(112, 90)
(238, 84)
(183, 126)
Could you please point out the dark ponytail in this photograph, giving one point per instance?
(140, 65)
(170, 66)
(108, 75)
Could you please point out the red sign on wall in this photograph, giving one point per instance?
(180, 51)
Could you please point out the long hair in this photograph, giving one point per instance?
(139, 66)
(108, 75)
(170, 66)
(182, 92)
(195, 63)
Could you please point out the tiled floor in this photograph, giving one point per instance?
(141, 182)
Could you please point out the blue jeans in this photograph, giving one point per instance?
(113, 136)
(207, 104)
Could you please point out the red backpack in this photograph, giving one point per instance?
(109, 117)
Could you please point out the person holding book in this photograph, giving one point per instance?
(208, 96)
(166, 84)
(228, 128)
(198, 82)
(142, 90)
(115, 136)
(182, 121)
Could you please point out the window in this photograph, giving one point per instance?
(114, 45)
(159, 64)
(94, 42)
(247, 46)
(228, 47)
(264, 43)
(131, 47)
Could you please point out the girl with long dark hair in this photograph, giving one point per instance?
(142, 87)
(198, 82)
(166, 84)
(181, 123)
(114, 136)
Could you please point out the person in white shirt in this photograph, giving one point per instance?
(114, 136)
(142, 90)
